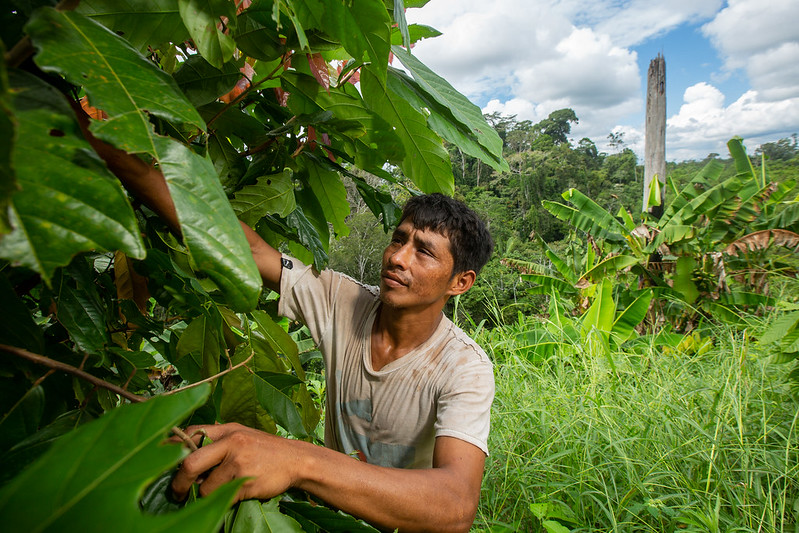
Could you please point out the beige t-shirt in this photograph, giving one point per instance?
(442, 388)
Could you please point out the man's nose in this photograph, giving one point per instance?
(401, 256)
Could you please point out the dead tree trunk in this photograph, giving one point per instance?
(655, 139)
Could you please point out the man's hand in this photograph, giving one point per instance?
(236, 451)
(442, 498)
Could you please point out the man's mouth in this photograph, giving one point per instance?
(393, 280)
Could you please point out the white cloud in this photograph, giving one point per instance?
(703, 123)
(530, 57)
(762, 40)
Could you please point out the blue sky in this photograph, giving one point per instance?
(732, 67)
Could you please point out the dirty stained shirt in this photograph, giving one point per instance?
(444, 387)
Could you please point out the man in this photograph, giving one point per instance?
(407, 391)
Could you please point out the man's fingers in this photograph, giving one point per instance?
(195, 465)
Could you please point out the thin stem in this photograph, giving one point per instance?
(69, 369)
(97, 382)
(215, 376)
(247, 90)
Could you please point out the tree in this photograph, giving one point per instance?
(251, 111)
(558, 125)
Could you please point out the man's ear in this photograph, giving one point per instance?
(462, 282)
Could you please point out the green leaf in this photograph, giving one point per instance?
(278, 404)
(200, 346)
(271, 194)
(211, 231)
(593, 219)
(319, 519)
(69, 202)
(782, 326)
(90, 480)
(202, 82)
(81, 312)
(416, 32)
(364, 29)
(426, 162)
(602, 311)
(683, 279)
(463, 111)
(279, 340)
(625, 323)
(554, 527)
(253, 516)
(115, 76)
(331, 194)
(239, 402)
(141, 23)
(257, 39)
(402, 23)
(201, 18)
(308, 236)
(609, 267)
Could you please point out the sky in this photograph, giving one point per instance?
(732, 68)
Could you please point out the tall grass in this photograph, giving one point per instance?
(650, 441)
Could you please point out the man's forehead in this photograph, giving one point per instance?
(407, 227)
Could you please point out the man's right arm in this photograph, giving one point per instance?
(148, 184)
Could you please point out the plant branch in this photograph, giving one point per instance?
(215, 376)
(69, 369)
(54, 365)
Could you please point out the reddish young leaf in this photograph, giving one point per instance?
(319, 69)
(242, 85)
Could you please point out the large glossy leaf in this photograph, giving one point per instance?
(364, 29)
(274, 394)
(609, 267)
(202, 82)
(331, 194)
(439, 118)
(69, 202)
(254, 516)
(142, 23)
(200, 346)
(201, 18)
(318, 519)
(272, 194)
(80, 310)
(462, 110)
(625, 323)
(258, 37)
(602, 312)
(279, 340)
(210, 229)
(116, 77)
(91, 479)
(239, 402)
(426, 162)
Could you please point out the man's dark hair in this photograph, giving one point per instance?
(469, 241)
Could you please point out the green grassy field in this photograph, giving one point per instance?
(649, 439)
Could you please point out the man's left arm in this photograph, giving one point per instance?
(441, 498)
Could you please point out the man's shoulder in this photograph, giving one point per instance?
(462, 347)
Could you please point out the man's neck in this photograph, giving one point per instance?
(397, 332)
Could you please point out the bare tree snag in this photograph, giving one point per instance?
(655, 139)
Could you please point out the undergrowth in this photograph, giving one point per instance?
(650, 439)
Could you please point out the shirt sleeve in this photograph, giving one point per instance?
(307, 295)
(464, 407)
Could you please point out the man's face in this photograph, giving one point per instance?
(417, 268)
